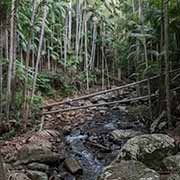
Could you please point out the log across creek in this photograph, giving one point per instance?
(98, 105)
(147, 97)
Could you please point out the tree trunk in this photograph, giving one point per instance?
(93, 50)
(161, 65)
(25, 93)
(65, 41)
(1, 72)
(70, 25)
(11, 60)
(78, 29)
(45, 13)
(2, 170)
(86, 50)
(166, 57)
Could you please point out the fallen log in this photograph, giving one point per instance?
(104, 92)
(97, 105)
(97, 93)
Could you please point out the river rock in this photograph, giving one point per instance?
(174, 177)
(172, 163)
(119, 135)
(98, 98)
(37, 153)
(123, 109)
(149, 149)
(18, 176)
(37, 175)
(73, 166)
(38, 167)
(128, 170)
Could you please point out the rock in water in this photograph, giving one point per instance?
(149, 149)
(38, 167)
(128, 170)
(73, 166)
(172, 163)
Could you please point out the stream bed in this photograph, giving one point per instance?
(91, 143)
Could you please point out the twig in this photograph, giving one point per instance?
(42, 123)
(100, 146)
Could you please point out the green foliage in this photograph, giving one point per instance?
(43, 83)
(9, 135)
(37, 102)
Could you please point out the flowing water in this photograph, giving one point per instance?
(101, 150)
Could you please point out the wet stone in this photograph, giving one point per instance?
(125, 125)
(38, 167)
(73, 166)
(37, 175)
(118, 135)
(172, 163)
(174, 177)
(18, 176)
(149, 149)
(128, 170)
(36, 153)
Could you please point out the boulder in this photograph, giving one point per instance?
(174, 177)
(73, 166)
(172, 163)
(104, 97)
(38, 167)
(37, 153)
(18, 176)
(119, 135)
(149, 149)
(128, 170)
(37, 175)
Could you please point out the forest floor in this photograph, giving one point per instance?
(88, 137)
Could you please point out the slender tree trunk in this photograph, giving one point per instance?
(45, 13)
(14, 56)
(2, 170)
(49, 60)
(65, 41)
(11, 59)
(93, 50)
(86, 50)
(70, 25)
(166, 57)
(133, 6)
(1, 72)
(161, 65)
(25, 94)
(78, 30)
(103, 66)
